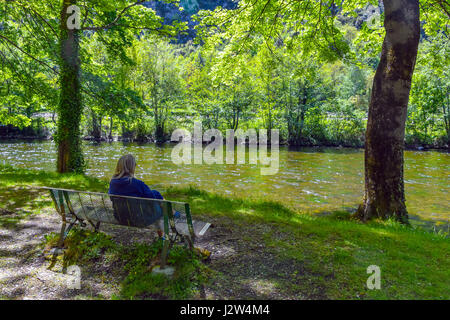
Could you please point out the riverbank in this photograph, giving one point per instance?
(259, 250)
(408, 146)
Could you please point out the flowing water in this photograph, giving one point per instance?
(316, 180)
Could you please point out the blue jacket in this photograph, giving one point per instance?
(132, 188)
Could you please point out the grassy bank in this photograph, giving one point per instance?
(263, 245)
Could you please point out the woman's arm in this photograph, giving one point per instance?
(148, 193)
(157, 195)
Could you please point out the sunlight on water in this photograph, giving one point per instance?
(310, 179)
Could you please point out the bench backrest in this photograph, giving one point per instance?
(122, 210)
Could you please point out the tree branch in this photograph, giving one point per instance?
(109, 25)
(26, 53)
(446, 9)
(37, 14)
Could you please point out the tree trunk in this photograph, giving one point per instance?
(446, 113)
(159, 133)
(96, 127)
(110, 137)
(384, 194)
(70, 158)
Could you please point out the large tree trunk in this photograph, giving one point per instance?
(70, 158)
(384, 194)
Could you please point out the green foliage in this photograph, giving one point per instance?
(190, 274)
(157, 75)
(34, 34)
(83, 245)
(252, 67)
(429, 112)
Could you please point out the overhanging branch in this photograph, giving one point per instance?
(111, 24)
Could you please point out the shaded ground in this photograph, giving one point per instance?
(243, 267)
(23, 267)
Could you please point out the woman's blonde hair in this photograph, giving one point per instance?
(125, 167)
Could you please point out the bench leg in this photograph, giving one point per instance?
(62, 236)
(64, 232)
(189, 241)
(68, 229)
(164, 253)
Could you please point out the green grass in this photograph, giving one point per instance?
(19, 187)
(414, 263)
(334, 251)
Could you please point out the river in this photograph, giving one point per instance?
(314, 180)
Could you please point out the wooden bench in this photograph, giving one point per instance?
(82, 208)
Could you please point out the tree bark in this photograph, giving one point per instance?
(110, 137)
(384, 195)
(70, 158)
(96, 127)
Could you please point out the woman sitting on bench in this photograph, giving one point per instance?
(127, 212)
(124, 183)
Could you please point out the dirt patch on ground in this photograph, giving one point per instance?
(247, 269)
(243, 268)
(23, 267)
